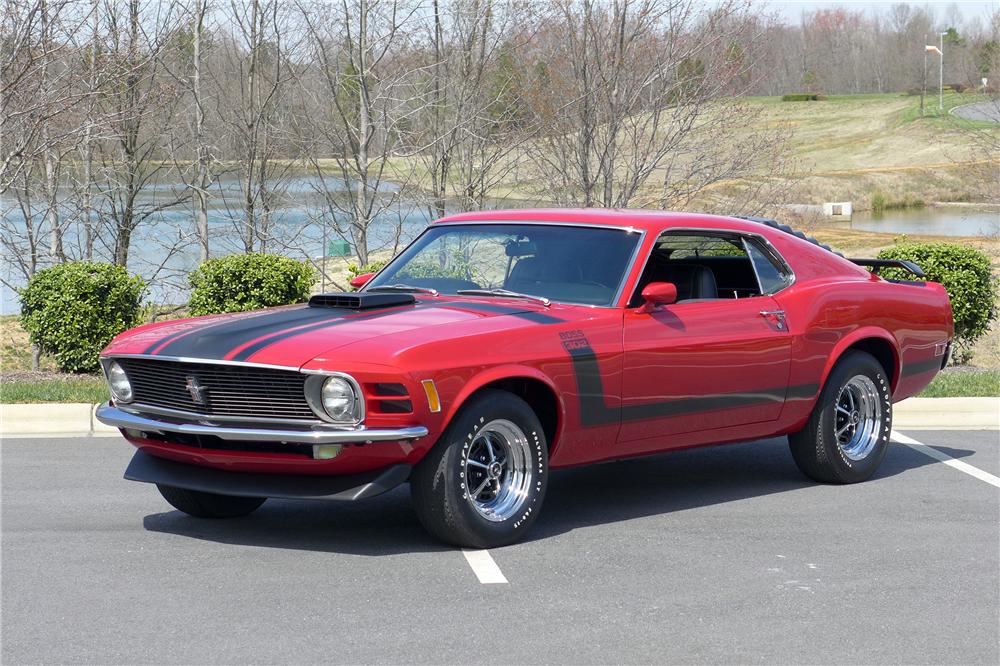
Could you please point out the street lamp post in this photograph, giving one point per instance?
(941, 73)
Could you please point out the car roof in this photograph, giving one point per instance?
(641, 219)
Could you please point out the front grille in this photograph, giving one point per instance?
(233, 391)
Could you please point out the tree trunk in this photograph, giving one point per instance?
(365, 133)
(199, 121)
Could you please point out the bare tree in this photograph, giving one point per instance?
(471, 124)
(257, 53)
(138, 95)
(645, 88)
(369, 100)
(203, 179)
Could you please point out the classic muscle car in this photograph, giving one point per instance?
(501, 345)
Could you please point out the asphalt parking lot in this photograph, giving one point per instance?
(716, 555)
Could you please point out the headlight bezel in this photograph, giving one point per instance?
(314, 397)
(109, 369)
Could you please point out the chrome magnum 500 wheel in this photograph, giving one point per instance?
(847, 435)
(483, 483)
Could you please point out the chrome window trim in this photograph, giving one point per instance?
(538, 223)
(708, 231)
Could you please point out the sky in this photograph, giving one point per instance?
(791, 10)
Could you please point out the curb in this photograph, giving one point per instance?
(77, 419)
(947, 414)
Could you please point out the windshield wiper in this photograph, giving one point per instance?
(504, 293)
(404, 287)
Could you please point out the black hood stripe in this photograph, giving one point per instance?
(216, 340)
(249, 351)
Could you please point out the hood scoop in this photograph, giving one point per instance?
(360, 300)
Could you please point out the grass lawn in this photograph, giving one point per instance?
(89, 389)
(964, 384)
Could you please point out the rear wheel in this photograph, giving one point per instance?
(209, 505)
(848, 432)
(483, 483)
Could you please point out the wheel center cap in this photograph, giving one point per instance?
(855, 418)
(494, 470)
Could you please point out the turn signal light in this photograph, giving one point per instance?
(433, 400)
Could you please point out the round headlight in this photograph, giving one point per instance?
(339, 400)
(121, 389)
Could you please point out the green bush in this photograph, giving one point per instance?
(966, 275)
(73, 310)
(244, 282)
(802, 97)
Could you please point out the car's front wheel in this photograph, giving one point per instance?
(208, 505)
(483, 483)
(848, 433)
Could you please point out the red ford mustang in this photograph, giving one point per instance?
(503, 344)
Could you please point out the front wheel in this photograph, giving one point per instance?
(848, 433)
(483, 483)
(209, 505)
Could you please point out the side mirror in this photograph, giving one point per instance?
(658, 293)
(361, 280)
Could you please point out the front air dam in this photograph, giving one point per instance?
(346, 488)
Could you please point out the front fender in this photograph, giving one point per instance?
(498, 373)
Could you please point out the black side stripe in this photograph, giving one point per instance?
(920, 367)
(594, 412)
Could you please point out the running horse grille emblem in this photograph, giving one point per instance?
(196, 390)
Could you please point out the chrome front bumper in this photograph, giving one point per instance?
(119, 418)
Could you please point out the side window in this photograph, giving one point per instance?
(770, 274)
(702, 266)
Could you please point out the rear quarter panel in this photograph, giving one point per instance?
(835, 304)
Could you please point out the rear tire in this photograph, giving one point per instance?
(483, 483)
(847, 434)
(209, 505)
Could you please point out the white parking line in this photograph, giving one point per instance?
(947, 460)
(484, 567)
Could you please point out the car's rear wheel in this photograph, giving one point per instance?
(848, 432)
(209, 505)
(483, 483)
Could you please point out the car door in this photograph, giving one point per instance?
(712, 359)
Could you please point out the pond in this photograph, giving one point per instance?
(164, 249)
(946, 220)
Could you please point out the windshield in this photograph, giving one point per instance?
(563, 263)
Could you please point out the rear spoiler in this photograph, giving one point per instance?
(878, 264)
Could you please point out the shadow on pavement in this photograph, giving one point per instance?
(580, 497)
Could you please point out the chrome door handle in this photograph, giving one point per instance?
(777, 315)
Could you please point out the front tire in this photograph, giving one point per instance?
(848, 432)
(483, 483)
(209, 505)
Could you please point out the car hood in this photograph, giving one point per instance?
(293, 336)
